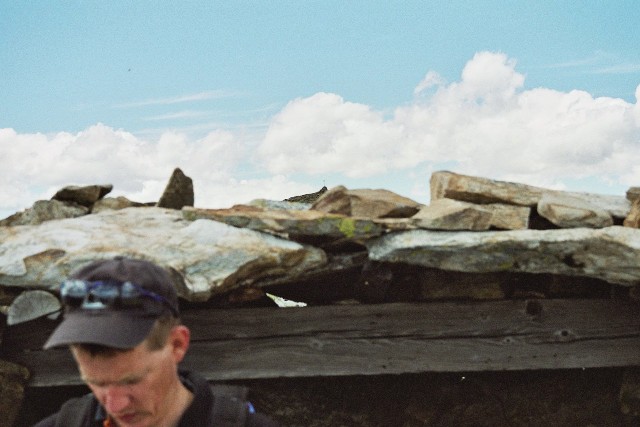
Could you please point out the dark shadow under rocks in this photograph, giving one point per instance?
(524, 398)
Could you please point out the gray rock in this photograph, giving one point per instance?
(178, 192)
(205, 257)
(611, 254)
(448, 214)
(395, 224)
(508, 217)
(616, 206)
(290, 223)
(84, 196)
(279, 205)
(567, 211)
(31, 305)
(633, 219)
(633, 194)
(114, 203)
(45, 210)
(307, 198)
(366, 203)
(482, 190)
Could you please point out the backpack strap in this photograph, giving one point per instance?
(230, 407)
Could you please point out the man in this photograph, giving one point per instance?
(122, 325)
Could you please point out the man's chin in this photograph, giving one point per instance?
(132, 420)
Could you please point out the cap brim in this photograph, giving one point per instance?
(109, 328)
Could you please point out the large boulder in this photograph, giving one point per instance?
(611, 254)
(291, 223)
(366, 203)
(45, 210)
(482, 190)
(205, 257)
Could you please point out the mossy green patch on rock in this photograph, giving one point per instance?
(347, 227)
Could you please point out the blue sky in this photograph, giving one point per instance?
(273, 99)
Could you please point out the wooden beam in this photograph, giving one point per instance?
(392, 339)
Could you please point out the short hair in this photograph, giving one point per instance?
(156, 340)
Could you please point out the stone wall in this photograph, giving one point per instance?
(477, 240)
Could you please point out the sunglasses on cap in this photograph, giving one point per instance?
(102, 295)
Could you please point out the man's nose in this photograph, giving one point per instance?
(115, 400)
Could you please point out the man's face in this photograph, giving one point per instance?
(138, 387)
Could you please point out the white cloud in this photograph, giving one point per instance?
(486, 123)
(37, 165)
(323, 134)
(233, 190)
(430, 79)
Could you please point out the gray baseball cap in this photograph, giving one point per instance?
(119, 325)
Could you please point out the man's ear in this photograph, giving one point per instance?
(179, 339)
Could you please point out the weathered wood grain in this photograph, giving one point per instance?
(393, 339)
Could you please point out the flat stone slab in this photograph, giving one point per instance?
(205, 257)
(483, 190)
(366, 203)
(611, 254)
(279, 205)
(85, 196)
(449, 214)
(568, 211)
(291, 222)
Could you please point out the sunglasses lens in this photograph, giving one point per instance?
(105, 293)
(73, 292)
(129, 290)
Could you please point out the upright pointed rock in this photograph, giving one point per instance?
(178, 192)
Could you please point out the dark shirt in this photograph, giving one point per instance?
(86, 411)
